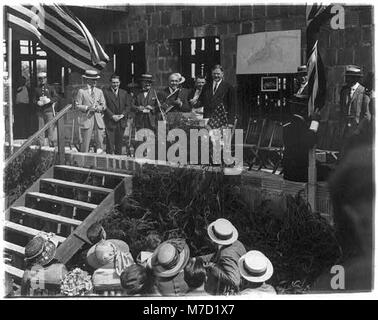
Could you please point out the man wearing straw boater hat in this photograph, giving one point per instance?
(354, 106)
(91, 102)
(255, 268)
(222, 267)
(168, 263)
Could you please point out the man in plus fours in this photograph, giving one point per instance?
(91, 102)
(118, 107)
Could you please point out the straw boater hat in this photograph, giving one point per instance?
(91, 74)
(254, 266)
(42, 75)
(222, 231)
(170, 257)
(352, 70)
(102, 254)
(302, 70)
(40, 250)
(145, 77)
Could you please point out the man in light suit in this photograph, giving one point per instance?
(354, 107)
(91, 102)
(216, 92)
(118, 106)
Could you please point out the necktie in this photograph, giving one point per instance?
(92, 93)
(215, 87)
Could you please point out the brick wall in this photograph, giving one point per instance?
(155, 25)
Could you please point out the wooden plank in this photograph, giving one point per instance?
(91, 171)
(14, 272)
(65, 201)
(61, 140)
(46, 216)
(81, 186)
(14, 248)
(27, 231)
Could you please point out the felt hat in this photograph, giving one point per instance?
(170, 257)
(40, 250)
(91, 74)
(102, 254)
(352, 70)
(222, 231)
(254, 266)
(42, 75)
(146, 77)
(302, 70)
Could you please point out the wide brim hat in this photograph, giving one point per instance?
(352, 70)
(40, 251)
(179, 263)
(94, 259)
(261, 271)
(146, 77)
(182, 79)
(223, 232)
(91, 74)
(302, 70)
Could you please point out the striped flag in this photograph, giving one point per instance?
(316, 16)
(60, 31)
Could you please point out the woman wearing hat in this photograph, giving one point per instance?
(91, 102)
(255, 268)
(42, 275)
(168, 262)
(222, 267)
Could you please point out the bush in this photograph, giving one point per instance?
(183, 202)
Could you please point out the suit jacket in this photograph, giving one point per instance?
(224, 276)
(191, 96)
(181, 94)
(145, 120)
(225, 93)
(298, 139)
(83, 100)
(355, 110)
(50, 93)
(120, 104)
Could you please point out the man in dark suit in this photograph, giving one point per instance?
(302, 81)
(354, 107)
(45, 97)
(195, 93)
(118, 103)
(216, 92)
(145, 104)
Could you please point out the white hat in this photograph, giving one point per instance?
(222, 231)
(42, 75)
(91, 74)
(254, 266)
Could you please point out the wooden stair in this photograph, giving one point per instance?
(60, 202)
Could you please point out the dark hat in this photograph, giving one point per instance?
(170, 258)
(302, 69)
(145, 77)
(352, 70)
(40, 250)
(91, 74)
(134, 278)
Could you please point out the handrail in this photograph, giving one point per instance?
(28, 143)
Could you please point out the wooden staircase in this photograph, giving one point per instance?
(65, 200)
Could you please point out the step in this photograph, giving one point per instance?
(91, 171)
(27, 231)
(14, 272)
(14, 248)
(46, 216)
(65, 201)
(75, 185)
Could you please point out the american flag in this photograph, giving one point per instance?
(316, 16)
(59, 31)
(219, 118)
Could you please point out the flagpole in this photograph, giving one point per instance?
(10, 112)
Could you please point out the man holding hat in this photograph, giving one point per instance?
(354, 107)
(255, 268)
(44, 97)
(222, 267)
(91, 102)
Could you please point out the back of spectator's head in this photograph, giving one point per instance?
(96, 233)
(352, 192)
(195, 273)
(136, 279)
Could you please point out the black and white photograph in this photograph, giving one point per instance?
(192, 150)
